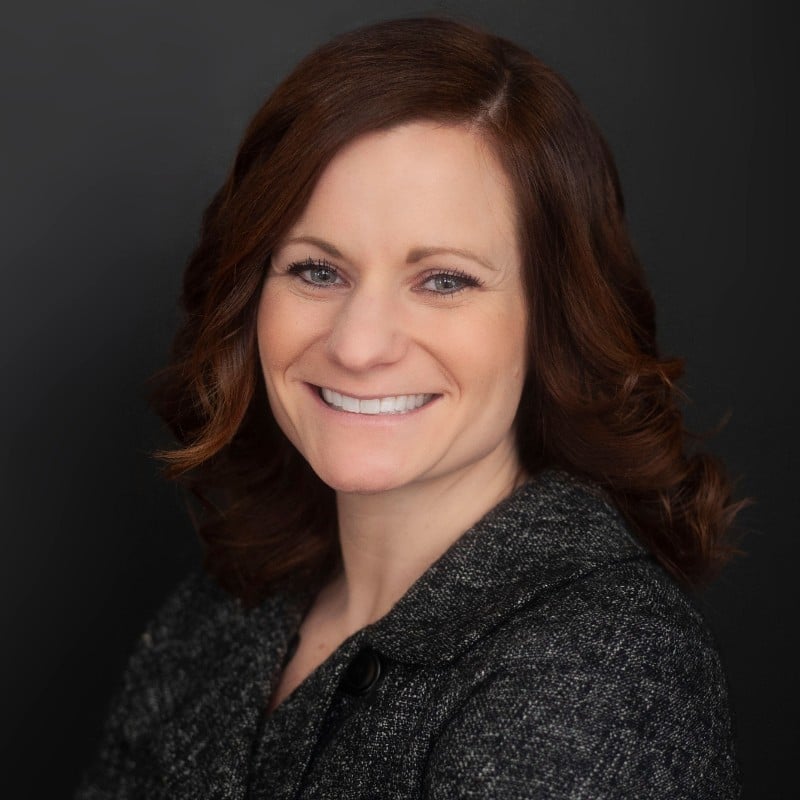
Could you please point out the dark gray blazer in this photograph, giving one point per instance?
(545, 655)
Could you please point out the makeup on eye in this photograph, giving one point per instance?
(315, 272)
(451, 282)
(320, 273)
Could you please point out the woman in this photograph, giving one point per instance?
(447, 503)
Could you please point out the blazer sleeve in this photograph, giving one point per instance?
(124, 766)
(612, 705)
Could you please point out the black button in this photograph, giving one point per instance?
(363, 672)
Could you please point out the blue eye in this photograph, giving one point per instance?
(317, 273)
(449, 282)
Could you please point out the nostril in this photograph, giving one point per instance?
(365, 335)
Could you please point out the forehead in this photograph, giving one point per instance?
(421, 183)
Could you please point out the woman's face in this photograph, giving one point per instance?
(391, 326)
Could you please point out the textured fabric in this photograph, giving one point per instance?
(544, 655)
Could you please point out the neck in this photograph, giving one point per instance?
(389, 539)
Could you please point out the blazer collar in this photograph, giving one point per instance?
(551, 530)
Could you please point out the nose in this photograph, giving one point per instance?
(367, 331)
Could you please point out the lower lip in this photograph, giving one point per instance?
(369, 419)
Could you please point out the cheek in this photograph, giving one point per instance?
(498, 352)
(505, 376)
(268, 330)
(278, 329)
(277, 340)
(514, 331)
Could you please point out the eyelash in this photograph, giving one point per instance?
(468, 281)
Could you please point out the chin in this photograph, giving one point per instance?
(368, 479)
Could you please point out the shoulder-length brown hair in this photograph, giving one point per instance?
(599, 400)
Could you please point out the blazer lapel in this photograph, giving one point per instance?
(553, 529)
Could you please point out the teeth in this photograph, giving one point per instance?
(398, 404)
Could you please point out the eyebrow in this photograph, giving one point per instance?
(414, 255)
(418, 253)
(320, 243)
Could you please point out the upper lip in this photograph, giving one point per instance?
(374, 396)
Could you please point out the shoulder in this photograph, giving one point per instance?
(190, 624)
(607, 685)
(631, 604)
(194, 605)
(198, 631)
(591, 587)
(193, 678)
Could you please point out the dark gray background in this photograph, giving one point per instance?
(120, 119)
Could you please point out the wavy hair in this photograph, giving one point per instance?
(599, 400)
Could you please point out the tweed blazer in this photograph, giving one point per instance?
(544, 655)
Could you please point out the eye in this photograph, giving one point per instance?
(449, 282)
(316, 273)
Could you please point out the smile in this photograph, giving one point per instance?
(396, 404)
